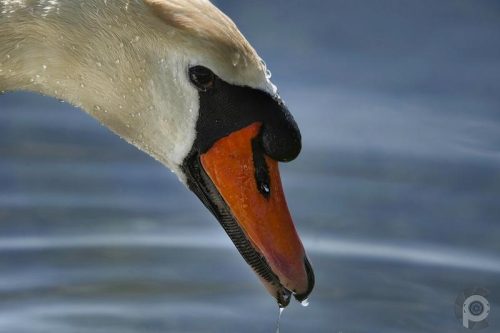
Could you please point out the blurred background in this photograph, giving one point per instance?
(396, 193)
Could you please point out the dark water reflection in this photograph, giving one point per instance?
(397, 193)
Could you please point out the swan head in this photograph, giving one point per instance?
(240, 129)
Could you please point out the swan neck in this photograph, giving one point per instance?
(71, 50)
(116, 60)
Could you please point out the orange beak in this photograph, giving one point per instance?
(261, 211)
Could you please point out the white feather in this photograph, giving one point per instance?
(124, 64)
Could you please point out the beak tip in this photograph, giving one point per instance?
(310, 282)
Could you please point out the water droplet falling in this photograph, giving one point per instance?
(305, 303)
(279, 319)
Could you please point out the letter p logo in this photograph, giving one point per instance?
(472, 308)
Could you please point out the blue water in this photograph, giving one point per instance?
(396, 194)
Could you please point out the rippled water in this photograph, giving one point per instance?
(396, 195)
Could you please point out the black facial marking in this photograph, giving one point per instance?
(226, 108)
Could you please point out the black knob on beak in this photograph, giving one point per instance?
(281, 136)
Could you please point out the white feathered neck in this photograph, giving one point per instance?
(125, 62)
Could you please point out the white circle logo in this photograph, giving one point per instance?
(472, 308)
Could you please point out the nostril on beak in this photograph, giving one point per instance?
(310, 282)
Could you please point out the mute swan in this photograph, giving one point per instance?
(176, 79)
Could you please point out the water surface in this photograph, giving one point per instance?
(396, 194)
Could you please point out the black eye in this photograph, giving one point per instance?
(202, 77)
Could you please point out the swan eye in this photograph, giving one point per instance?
(202, 77)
